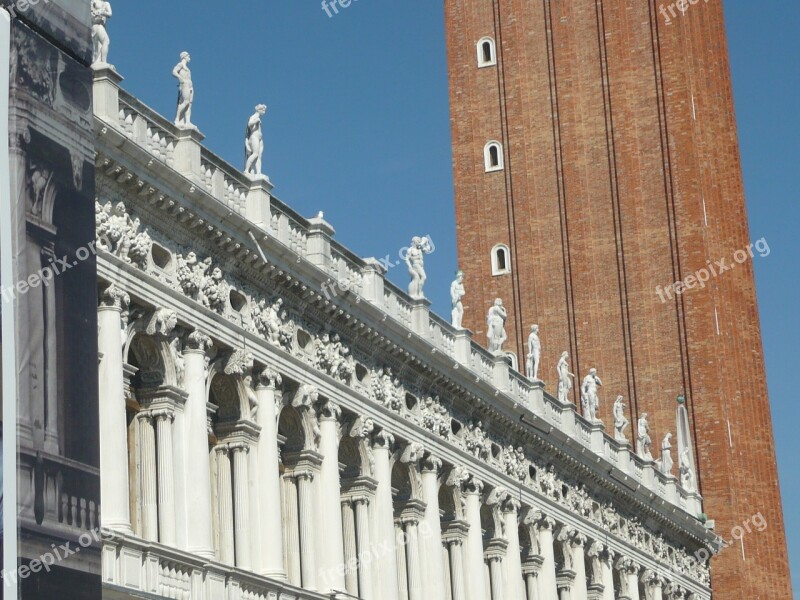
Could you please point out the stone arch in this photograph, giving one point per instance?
(160, 344)
(292, 430)
(146, 354)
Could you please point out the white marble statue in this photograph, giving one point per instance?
(564, 378)
(496, 326)
(620, 420)
(101, 12)
(686, 470)
(534, 354)
(181, 72)
(666, 455)
(589, 399)
(415, 259)
(643, 442)
(254, 142)
(457, 292)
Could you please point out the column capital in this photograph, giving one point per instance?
(114, 298)
(222, 449)
(163, 413)
(267, 378)
(541, 520)
(144, 415)
(197, 342)
(651, 579)
(382, 439)
(328, 410)
(239, 446)
(577, 539)
(431, 464)
(362, 428)
(626, 565)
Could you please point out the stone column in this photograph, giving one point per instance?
(497, 575)
(607, 560)
(628, 579)
(291, 531)
(269, 500)
(476, 583)
(147, 460)
(308, 550)
(241, 504)
(386, 563)
(577, 543)
(332, 550)
(114, 483)
(600, 575)
(225, 505)
(365, 559)
(401, 543)
(198, 476)
(565, 581)
(515, 586)
(454, 537)
(411, 524)
(531, 570)
(350, 548)
(432, 542)
(448, 584)
(164, 419)
(653, 585)
(547, 580)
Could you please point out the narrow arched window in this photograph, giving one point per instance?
(487, 57)
(493, 156)
(501, 260)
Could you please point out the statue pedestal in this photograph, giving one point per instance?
(259, 198)
(463, 347)
(421, 316)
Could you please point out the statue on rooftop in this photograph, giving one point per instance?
(643, 441)
(686, 470)
(457, 292)
(415, 259)
(254, 142)
(589, 399)
(495, 326)
(183, 74)
(666, 455)
(534, 354)
(101, 12)
(564, 378)
(620, 420)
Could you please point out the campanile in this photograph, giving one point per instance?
(596, 162)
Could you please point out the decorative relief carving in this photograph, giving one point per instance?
(118, 234)
(435, 417)
(477, 441)
(514, 462)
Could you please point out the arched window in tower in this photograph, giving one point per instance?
(487, 56)
(493, 156)
(501, 260)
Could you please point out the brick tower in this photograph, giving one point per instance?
(596, 157)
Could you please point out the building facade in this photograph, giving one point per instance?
(596, 164)
(51, 165)
(261, 438)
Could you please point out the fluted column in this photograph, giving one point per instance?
(454, 537)
(512, 565)
(241, 504)
(308, 550)
(164, 419)
(225, 505)
(565, 582)
(291, 531)
(606, 565)
(577, 543)
(432, 541)
(268, 477)
(384, 529)
(401, 543)
(332, 551)
(147, 461)
(472, 489)
(497, 575)
(413, 563)
(547, 580)
(351, 571)
(363, 532)
(531, 570)
(114, 482)
(198, 475)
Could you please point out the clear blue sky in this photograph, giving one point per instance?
(358, 126)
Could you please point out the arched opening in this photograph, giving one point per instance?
(493, 156)
(487, 55)
(501, 260)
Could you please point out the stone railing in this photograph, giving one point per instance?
(130, 565)
(341, 271)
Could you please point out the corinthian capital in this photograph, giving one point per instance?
(383, 439)
(329, 410)
(197, 341)
(113, 297)
(268, 378)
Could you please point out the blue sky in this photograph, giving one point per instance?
(358, 126)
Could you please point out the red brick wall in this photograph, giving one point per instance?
(608, 165)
